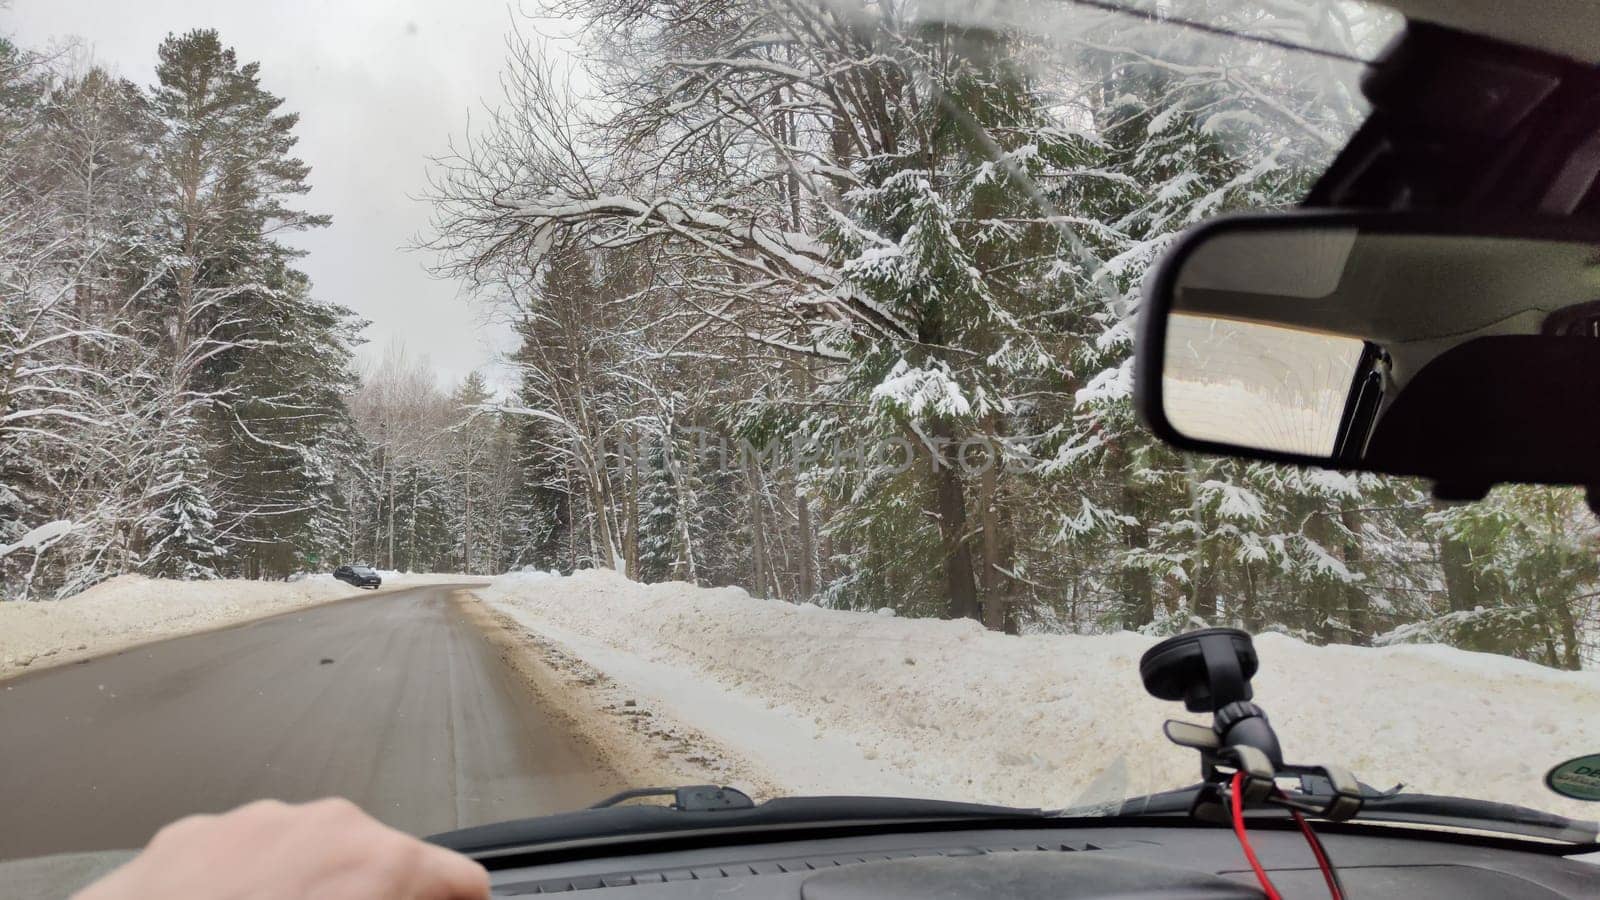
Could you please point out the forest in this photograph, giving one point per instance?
(831, 302)
(174, 399)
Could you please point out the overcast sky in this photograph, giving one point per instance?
(380, 86)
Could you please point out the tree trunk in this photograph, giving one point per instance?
(950, 506)
(809, 563)
(411, 551)
(807, 578)
(959, 586)
(1325, 600)
(1360, 605)
(390, 536)
(1203, 586)
(630, 524)
(758, 530)
(1460, 579)
(998, 552)
(596, 525)
(1571, 655)
(1138, 593)
(685, 562)
(602, 542)
(1249, 611)
(388, 486)
(572, 526)
(466, 525)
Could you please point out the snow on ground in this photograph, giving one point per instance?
(133, 609)
(825, 701)
(40, 537)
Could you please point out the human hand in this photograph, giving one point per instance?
(324, 850)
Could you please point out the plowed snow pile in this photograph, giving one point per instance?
(839, 702)
(133, 609)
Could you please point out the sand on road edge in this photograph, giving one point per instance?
(643, 746)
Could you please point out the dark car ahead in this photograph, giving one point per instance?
(358, 576)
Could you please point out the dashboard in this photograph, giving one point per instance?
(1071, 862)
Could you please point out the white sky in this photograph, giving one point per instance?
(380, 86)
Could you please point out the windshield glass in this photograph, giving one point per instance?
(728, 391)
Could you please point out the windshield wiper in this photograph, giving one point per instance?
(689, 798)
(708, 809)
(1401, 808)
(698, 809)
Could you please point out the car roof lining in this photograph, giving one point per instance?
(1368, 286)
(1376, 280)
(1569, 28)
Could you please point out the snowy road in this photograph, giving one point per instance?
(396, 701)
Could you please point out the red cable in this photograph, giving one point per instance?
(1334, 889)
(1244, 839)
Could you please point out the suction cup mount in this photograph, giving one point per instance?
(1206, 669)
(1209, 671)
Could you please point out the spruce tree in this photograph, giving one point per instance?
(181, 532)
(263, 366)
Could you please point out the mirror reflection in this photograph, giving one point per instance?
(1388, 350)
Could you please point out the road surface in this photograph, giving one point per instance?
(396, 701)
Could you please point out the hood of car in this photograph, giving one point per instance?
(58, 876)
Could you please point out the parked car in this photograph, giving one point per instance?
(359, 576)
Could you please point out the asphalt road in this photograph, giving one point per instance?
(395, 701)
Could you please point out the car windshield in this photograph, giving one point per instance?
(729, 391)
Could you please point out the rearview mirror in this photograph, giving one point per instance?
(1390, 342)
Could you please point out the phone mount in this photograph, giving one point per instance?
(1210, 671)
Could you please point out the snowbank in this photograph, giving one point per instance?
(840, 702)
(132, 609)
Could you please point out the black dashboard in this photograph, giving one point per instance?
(1074, 861)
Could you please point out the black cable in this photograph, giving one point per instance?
(1216, 30)
(1324, 862)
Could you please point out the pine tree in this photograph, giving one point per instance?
(425, 521)
(24, 83)
(660, 556)
(1205, 540)
(167, 383)
(472, 442)
(181, 533)
(953, 236)
(1530, 563)
(250, 352)
(286, 426)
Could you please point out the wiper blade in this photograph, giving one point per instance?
(689, 798)
(1484, 815)
(620, 823)
(1403, 808)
